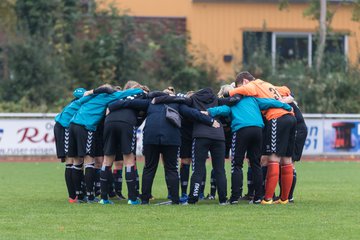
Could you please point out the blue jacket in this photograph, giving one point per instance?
(246, 113)
(92, 111)
(69, 111)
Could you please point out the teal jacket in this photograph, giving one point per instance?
(246, 113)
(92, 111)
(69, 111)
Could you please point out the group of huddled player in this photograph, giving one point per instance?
(96, 137)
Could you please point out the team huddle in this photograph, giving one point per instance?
(95, 136)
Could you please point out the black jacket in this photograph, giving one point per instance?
(158, 130)
(202, 100)
(126, 115)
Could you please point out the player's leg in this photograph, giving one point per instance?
(184, 175)
(288, 124)
(117, 176)
(77, 173)
(254, 155)
(271, 148)
(200, 149)
(212, 194)
(300, 138)
(170, 157)
(239, 146)
(217, 151)
(151, 154)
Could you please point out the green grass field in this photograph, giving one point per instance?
(33, 205)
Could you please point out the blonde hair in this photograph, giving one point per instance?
(131, 84)
(224, 89)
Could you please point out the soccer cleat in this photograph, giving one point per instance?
(84, 200)
(112, 194)
(165, 203)
(120, 196)
(291, 200)
(234, 200)
(136, 202)
(248, 197)
(224, 203)
(279, 201)
(210, 197)
(152, 197)
(73, 200)
(95, 200)
(255, 201)
(105, 202)
(267, 202)
(184, 197)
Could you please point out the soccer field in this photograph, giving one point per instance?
(33, 205)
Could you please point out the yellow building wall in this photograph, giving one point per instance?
(217, 28)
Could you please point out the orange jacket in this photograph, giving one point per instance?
(261, 89)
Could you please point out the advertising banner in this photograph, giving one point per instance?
(342, 136)
(21, 137)
(35, 137)
(314, 140)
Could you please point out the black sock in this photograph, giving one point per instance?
(105, 182)
(77, 176)
(69, 182)
(184, 177)
(130, 176)
(137, 180)
(212, 183)
(250, 182)
(291, 194)
(90, 180)
(117, 175)
(97, 182)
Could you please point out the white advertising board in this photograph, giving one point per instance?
(27, 137)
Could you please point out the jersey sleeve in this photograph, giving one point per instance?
(247, 90)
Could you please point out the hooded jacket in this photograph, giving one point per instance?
(202, 100)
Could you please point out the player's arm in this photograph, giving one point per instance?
(219, 111)
(195, 114)
(266, 103)
(137, 104)
(229, 101)
(246, 90)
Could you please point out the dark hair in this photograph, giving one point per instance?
(243, 75)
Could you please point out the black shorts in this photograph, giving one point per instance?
(280, 136)
(119, 134)
(300, 138)
(186, 148)
(61, 140)
(81, 141)
(99, 141)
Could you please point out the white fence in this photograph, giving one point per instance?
(29, 134)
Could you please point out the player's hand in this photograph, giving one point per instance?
(87, 93)
(216, 124)
(205, 112)
(107, 111)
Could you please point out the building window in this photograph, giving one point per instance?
(256, 43)
(285, 46)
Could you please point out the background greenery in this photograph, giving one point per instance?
(34, 206)
(52, 47)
